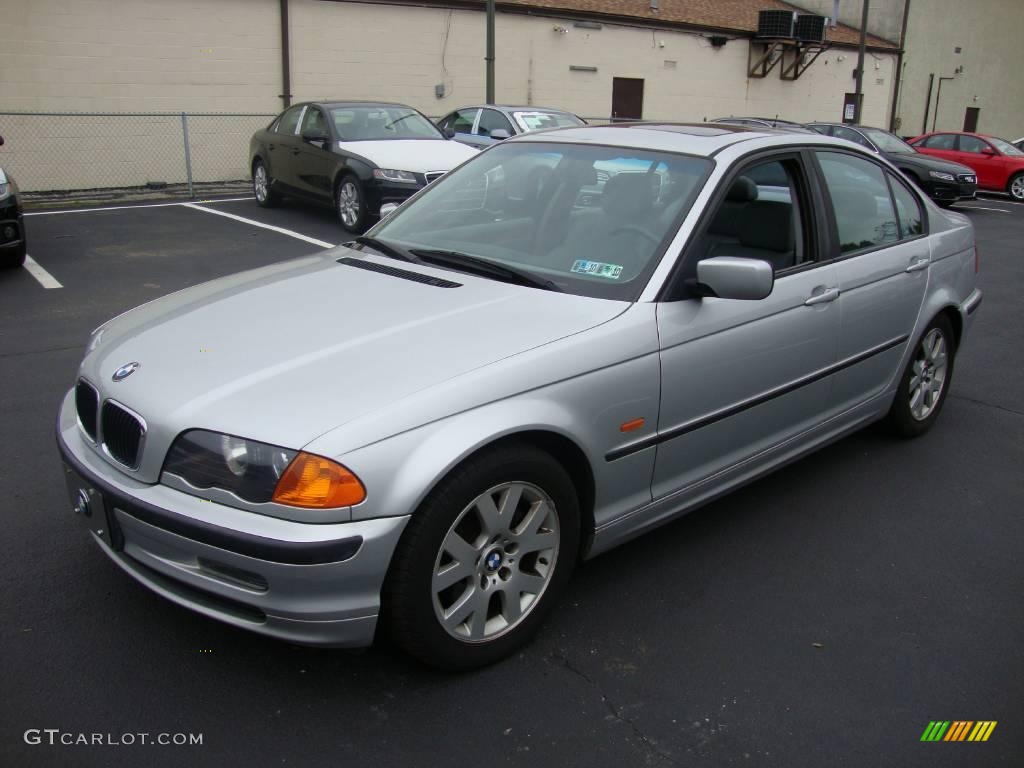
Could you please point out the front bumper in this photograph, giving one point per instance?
(312, 584)
(12, 227)
(951, 191)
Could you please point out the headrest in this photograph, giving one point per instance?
(743, 190)
(768, 225)
(627, 195)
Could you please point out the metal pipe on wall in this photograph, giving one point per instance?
(859, 90)
(286, 57)
(489, 57)
(898, 85)
(928, 103)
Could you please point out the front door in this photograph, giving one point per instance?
(627, 98)
(980, 156)
(739, 377)
(312, 158)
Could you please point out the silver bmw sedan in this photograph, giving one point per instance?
(570, 339)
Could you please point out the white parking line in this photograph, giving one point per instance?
(45, 278)
(261, 225)
(983, 208)
(134, 207)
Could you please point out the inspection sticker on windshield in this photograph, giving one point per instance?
(597, 269)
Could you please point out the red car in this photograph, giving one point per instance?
(999, 164)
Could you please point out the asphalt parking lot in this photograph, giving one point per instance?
(820, 617)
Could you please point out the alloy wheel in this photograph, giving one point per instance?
(495, 562)
(348, 204)
(928, 374)
(1017, 188)
(259, 183)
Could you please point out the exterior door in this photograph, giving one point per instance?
(281, 149)
(882, 271)
(979, 155)
(462, 124)
(312, 159)
(971, 119)
(627, 98)
(739, 377)
(941, 145)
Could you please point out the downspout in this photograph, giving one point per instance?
(286, 56)
(928, 102)
(899, 69)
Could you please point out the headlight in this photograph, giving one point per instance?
(387, 174)
(5, 191)
(942, 175)
(258, 472)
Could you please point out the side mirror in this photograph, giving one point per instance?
(988, 151)
(732, 277)
(449, 132)
(500, 134)
(312, 134)
(387, 209)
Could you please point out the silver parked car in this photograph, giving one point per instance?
(426, 428)
(486, 124)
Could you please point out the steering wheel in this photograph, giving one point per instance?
(636, 230)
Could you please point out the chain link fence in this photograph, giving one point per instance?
(64, 153)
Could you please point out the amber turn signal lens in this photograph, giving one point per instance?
(318, 483)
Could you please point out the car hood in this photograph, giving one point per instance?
(417, 155)
(287, 352)
(926, 163)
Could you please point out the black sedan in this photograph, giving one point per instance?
(354, 155)
(12, 228)
(943, 181)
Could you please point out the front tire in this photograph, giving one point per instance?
(483, 559)
(1015, 187)
(925, 381)
(350, 204)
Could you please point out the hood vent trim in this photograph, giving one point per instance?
(404, 274)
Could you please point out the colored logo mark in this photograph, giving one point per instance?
(958, 730)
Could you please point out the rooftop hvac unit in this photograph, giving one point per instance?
(775, 23)
(810, 28)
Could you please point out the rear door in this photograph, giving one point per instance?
(882, 263)
(739, 377)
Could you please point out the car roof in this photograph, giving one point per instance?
(357, 103)
(702, 139)
(514, 108)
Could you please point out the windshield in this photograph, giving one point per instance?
(538, 120)
(375, 123)
(1005, 147)
(594, 220)
(887, 142)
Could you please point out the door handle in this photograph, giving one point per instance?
(827, 295)
(917, 266)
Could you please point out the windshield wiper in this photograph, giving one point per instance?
(386, 248)
(483, 267)
(397, 120)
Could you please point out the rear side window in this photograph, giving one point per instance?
(289, 120)
(908, 209)
(940, 141)
(864, 213)
(841, 132)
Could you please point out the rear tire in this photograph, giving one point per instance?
(483, 559)
(1015, 187)
(14, 257)
(263, 186)
(925, 381)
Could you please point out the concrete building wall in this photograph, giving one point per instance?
(988, 34)
(224, 56)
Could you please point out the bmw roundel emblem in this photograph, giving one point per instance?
(125, 371)
(493, 561)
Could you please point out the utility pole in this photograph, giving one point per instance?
(489, 58)
(859, 90)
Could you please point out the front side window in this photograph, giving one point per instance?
(313, 122)
(1006, 147)
(461, 121)
(290, 120)
(594, 220)
(383, 122)
(972, 144)
(492, 120)
(539, 120)
(861, 202)
(759, 218)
